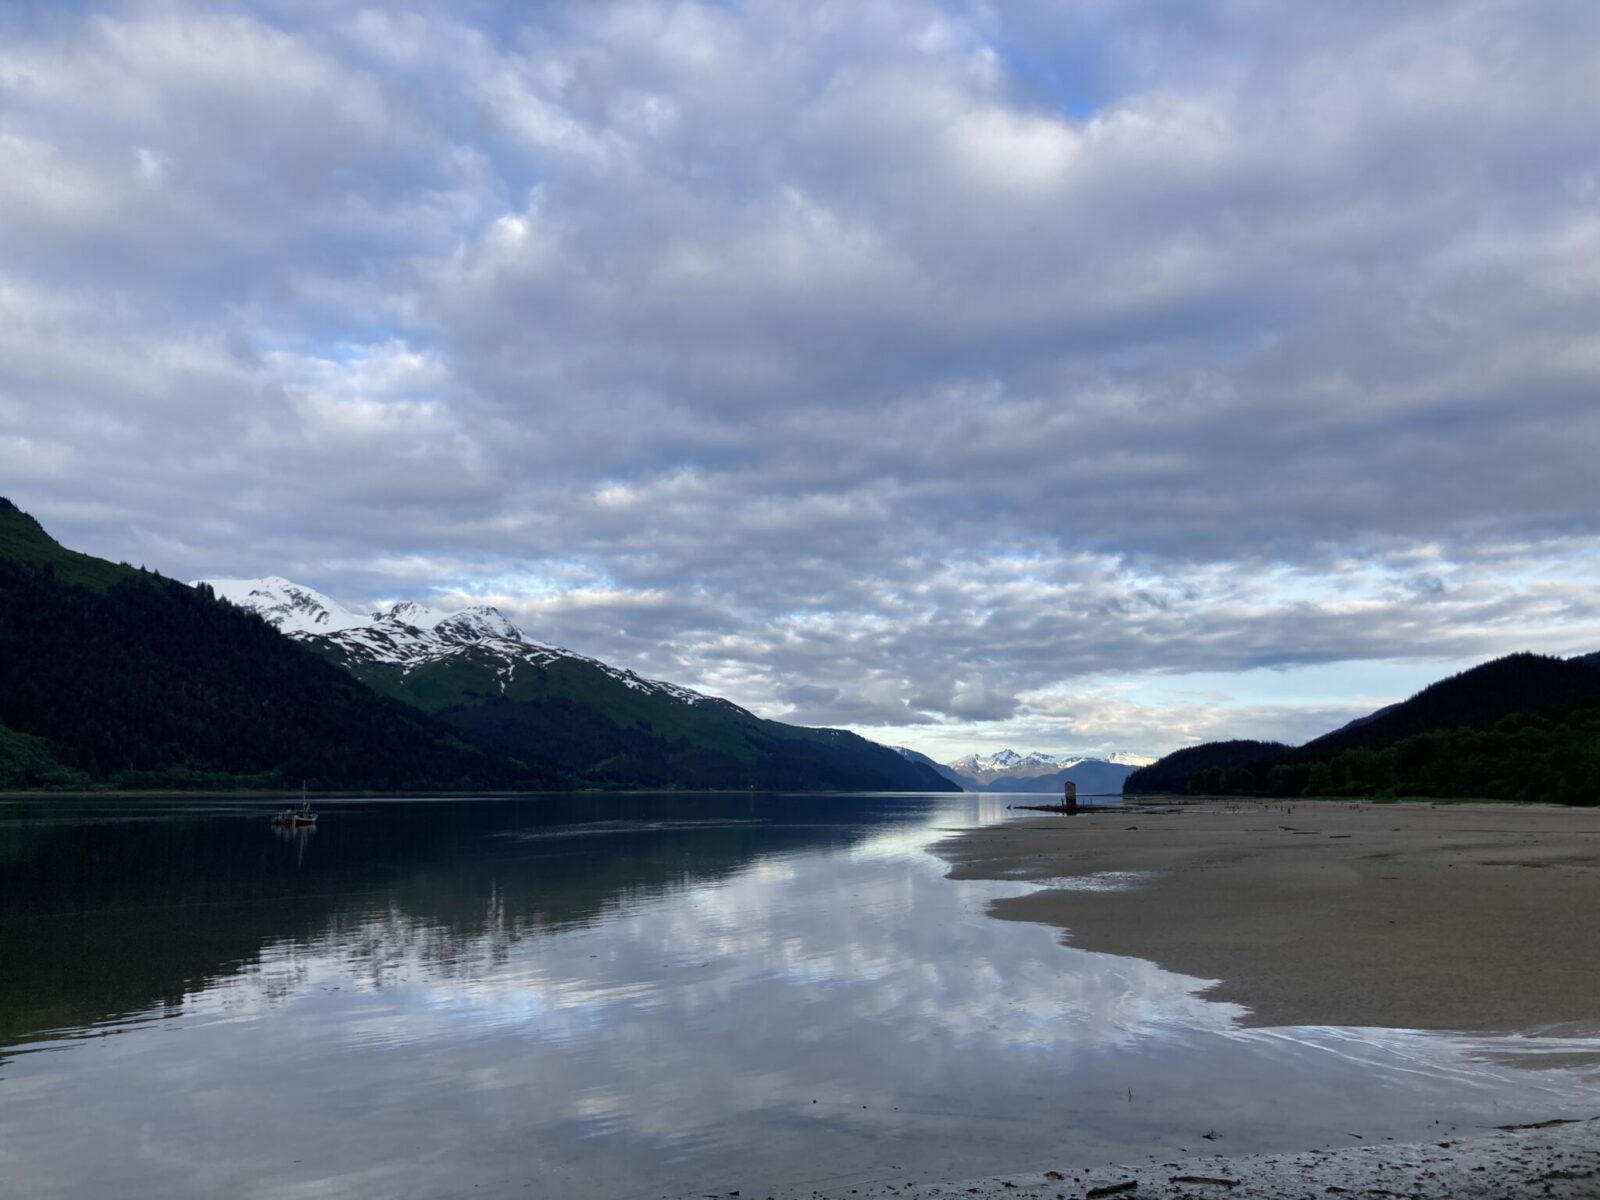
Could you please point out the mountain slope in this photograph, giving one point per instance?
(939, 768)
(479, 673)
(1172, 774)
(1517, 683)
(111, 676)
(1520, 727)
(23, 541)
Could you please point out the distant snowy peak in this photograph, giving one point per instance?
(475, 624)
(410, 635)
(290, 607)
(1010, 762)
(1125, 759)
(984, 769)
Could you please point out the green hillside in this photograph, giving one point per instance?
(24, 541)
(594, 725)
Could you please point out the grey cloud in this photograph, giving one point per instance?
(815, 354)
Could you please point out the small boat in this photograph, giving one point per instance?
(301, 816)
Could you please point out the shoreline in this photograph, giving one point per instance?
(1463, 918)
(1479, 925)
(1560, 1161)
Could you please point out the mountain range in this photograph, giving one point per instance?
(1008, 771)
(112, 676)
(477, 672)
(116, 676)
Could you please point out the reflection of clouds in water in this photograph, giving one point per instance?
(689, 1031)
(1099, 881)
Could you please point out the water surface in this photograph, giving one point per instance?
(619, 996)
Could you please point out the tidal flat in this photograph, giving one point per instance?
(633, 996)
(1453, 917)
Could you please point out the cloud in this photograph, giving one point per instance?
(880, 364)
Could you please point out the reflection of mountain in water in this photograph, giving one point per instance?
(115, 910)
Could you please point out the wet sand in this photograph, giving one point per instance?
(1469, 917)
(1559, 1162)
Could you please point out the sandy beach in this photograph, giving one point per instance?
(1470, 917)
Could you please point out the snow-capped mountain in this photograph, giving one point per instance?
(1006, 770)
(576, 716)
(1009, 762)
(408, 635)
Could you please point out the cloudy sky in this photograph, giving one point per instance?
(1076, 375)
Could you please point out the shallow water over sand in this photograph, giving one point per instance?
(619, 997)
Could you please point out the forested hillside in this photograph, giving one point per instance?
(118, 677)
(610, 733)
(1524, 727)
(1173, 773)
(606, 726)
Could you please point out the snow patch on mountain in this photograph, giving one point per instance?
(290, 607)
(410, 635)
(1125, 759)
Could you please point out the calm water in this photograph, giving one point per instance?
(618, 997)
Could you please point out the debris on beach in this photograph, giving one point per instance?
(1554, 1160)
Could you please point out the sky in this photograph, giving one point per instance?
(1074, 375)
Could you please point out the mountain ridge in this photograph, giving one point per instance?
(411, 635)
(1516, 727)
(1007, 771)
(479, 673)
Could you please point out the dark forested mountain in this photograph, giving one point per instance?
(477, 672)
(938, 767)
(610, 735)
(111, 676)
(1517, 683)
(1523, 727)
(1172, 773)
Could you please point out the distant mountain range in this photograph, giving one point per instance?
(478, 673)
(1008, 771)
(1523, 727)
(117, 677)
